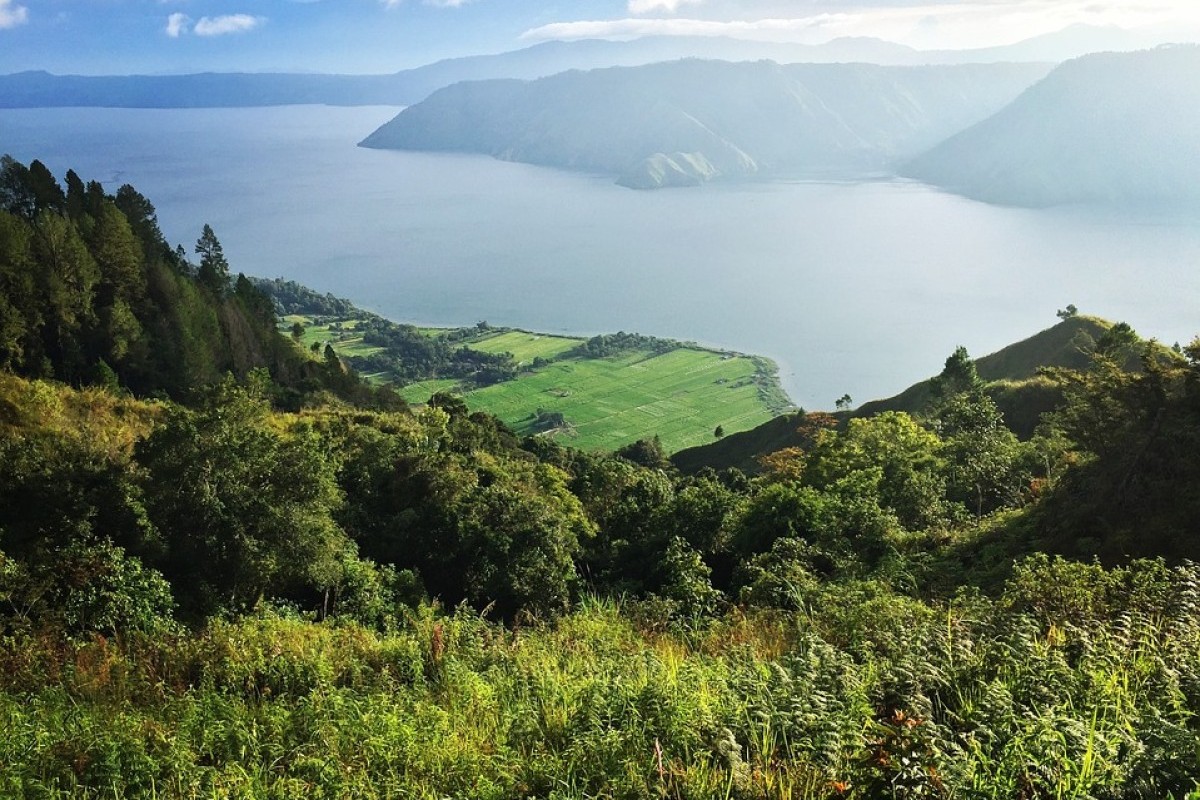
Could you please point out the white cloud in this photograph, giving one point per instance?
(434, 3)
(229, 23)
(178, 24)
(651, 6)
(956, 23)
(782, 28)
(12, 15)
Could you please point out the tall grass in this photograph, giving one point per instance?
(868, 695)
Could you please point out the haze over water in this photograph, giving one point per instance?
(861, 288)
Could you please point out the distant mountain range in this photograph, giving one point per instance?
(1111, 128)
(1106, 128)
(688, 121)
(41, 89)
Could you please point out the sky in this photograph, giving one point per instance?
(378, 36)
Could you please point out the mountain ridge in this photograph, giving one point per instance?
(1113, 128)
(40, 89)
(746, 119)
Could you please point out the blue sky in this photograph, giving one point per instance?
(157, 36)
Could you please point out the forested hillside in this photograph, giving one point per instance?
(211, 594)
(91, 293)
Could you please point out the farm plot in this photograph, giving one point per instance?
(680, 396)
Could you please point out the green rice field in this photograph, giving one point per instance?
(526, 346)
(681, 396)
(415, 393)
(342, 334)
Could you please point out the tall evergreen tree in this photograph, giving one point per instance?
(214, 268)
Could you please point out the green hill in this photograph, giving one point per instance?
(1011, 375)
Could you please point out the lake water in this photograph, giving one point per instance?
(861, 288)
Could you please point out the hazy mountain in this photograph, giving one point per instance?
(1111, 127)
(711, 118)
(37, 89)
(41, 89)
(1070, 42)
(206, 90)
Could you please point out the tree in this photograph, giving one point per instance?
(685, 581)
(16, 190)
(719, 432)
(984, 455)
(647, 453)
(142, 219)
(1068, 312)
(957, 376)
(98, 587)
(119, 256)
(477, 526)
(76, 196)
(62, 487)
(1117, 340)
(842, 529)
(891, 452)
(1136, 433)
(213, 272)
(47, 193)
(520, 530)
(68, 278)
(297, 331)
(84, 588)
(845, 403)
(632, 507)
(245, 509)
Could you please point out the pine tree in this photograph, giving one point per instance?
(214, 269)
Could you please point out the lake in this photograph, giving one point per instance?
(862, 288)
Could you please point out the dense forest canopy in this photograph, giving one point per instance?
(91, 292)
(230, 569)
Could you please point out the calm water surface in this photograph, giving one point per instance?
(860, 288)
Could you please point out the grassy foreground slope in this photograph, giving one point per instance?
(967, 701)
